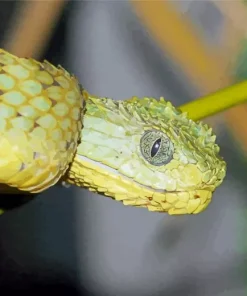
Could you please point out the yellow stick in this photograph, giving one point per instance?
(216, 102)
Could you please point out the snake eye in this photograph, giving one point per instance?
(156, 148)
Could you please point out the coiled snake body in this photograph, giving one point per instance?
(143, 152)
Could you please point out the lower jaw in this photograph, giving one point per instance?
(86, 173)
(175, 203)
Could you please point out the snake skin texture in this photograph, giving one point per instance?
(40, 122)
(179, 179)
(142, 151)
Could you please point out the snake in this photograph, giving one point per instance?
(144, 151)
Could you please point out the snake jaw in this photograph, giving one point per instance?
(94, 176)
(182, 202)
(175, 203)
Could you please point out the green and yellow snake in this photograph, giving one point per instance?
(141, 151)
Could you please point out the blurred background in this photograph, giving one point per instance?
(74, 242)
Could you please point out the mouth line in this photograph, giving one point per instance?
(174, 202)
(155, 190)
(187, 202)
(180, 191)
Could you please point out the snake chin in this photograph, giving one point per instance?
(107, 181)
(176, 202)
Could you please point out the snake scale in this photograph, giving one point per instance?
(142, 151)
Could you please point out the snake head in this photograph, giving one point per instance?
(146, 153)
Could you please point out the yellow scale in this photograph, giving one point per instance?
(41, 110)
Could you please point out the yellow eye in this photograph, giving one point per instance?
(156, 148)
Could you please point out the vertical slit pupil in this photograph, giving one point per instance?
(155, 148)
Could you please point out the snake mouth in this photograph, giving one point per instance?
(175, 202)
(108, 182)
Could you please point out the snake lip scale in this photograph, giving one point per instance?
(143, 152)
